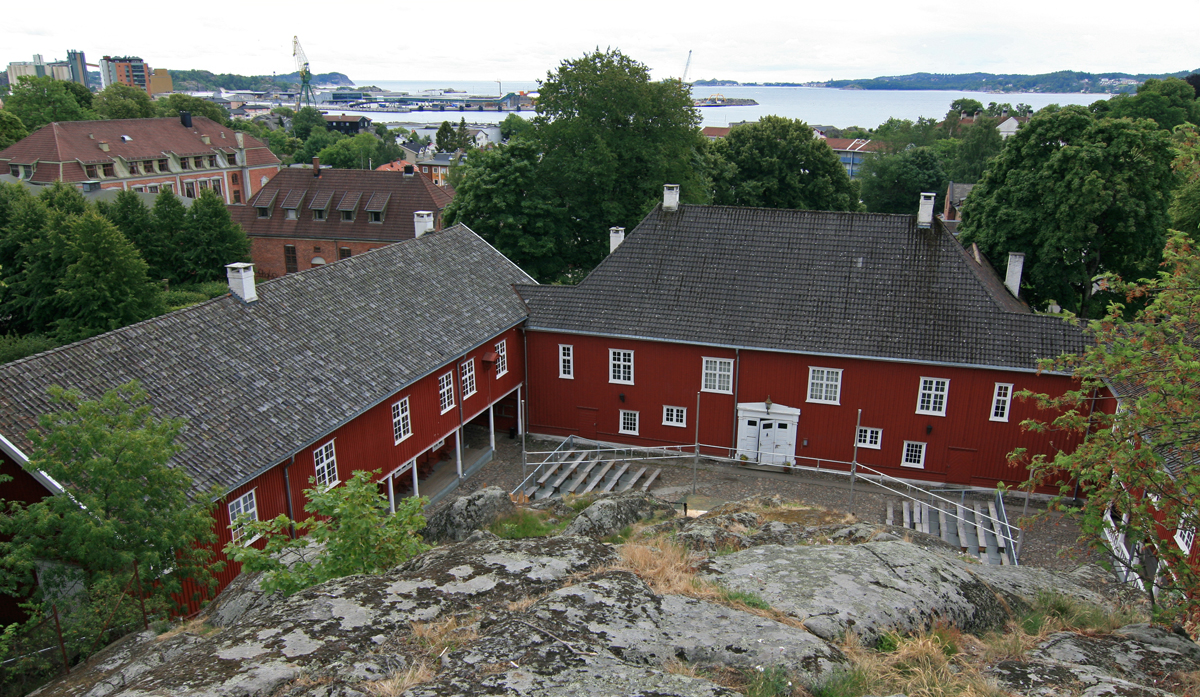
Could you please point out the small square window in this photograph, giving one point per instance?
(501, 358)
(289, 214)
(343, 252)
(264, 212)
(325, 465)
(932, 399)
(242, 509)
(318, 214)
(446, 392)
(467, 371)
(825, 385)
(401, 421)
(870, 437)
(914, 454)
(620, 366)
(347, 216)
(674, 416)
(1001, 398)
(376, 216)
(718, 375)
(566, 361)
(629, 422)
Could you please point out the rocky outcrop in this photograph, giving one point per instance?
(466, 514)
(611, 513)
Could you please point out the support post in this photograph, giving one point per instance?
(854, 464)
(458, 446)
(392, 494)
(414, 471)
(696, 457)
(492, 427)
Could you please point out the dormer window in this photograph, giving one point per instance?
(109, 170)
(198, 162)
(88, 170)
(348, 205)
(318, 215)
(185, 163)
(376, 206)
(264, 202)
(163, 165)
(347, 216)
(264, 212)
(289, 214)
(15, 170)
(212, 160)
(376, 216)
(232, 158)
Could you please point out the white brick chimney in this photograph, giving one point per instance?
(616, 235)
(1012, 277)
(925, 212)
(422, 222)
(670, 197)
(241, 281)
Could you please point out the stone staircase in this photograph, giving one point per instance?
(582, 471)
(976, 527)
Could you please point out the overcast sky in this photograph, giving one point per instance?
(522, 39)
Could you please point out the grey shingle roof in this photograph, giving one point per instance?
(258, 381)
(852, 284)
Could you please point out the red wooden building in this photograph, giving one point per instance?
(399, 360)
(788, 325)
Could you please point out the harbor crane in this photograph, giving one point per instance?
(305, 95)
(686, 66)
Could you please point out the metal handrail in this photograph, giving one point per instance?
(563, 448)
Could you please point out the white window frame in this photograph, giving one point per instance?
(325, 465)
(1001, 402)
(822, 382)
(864, 439)
(446, 391)
(501, 358)
(617, 362)
(246, 504)
(1185, 535)
(904, 455)
(467, 369)
(401, 421)
(566, 361)
(713, 370)
(675, 416)
(621, 427)
(933, 393)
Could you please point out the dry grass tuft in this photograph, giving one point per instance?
(678, 667)
(438, 637)
(197, 626)
(521, 605)
(929, 664)
(395, 686)
(1052, 613)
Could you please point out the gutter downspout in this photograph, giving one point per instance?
(287, 489)
(737, 373)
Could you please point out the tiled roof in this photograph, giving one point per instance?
(854, 144)
(72, 142)
(397, 166)
(258, 381)
(714, 131)
(336, 188)
(957, 193)
(849, 284)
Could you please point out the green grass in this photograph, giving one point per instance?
(618, 538)
(769, 682)
(1072, 614)
(851, 682)
(526, 523)
(747, 598)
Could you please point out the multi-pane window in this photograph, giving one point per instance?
(184, 163)
(401, 421)
(376, 216)
(825, 385)
(165, 166)
(620, 366)
(88, 170)
(109, 170)
(718, 375)
(1185, 536)
(467, 368)
(289, 258)
(446, 392)
(501, 357)
(914, 454)
(870, 437)
(343, 252)
(325, 465)
(629, 422)
(674, 416)
(318, 214)
(566, 361)
(242, 509)
(1000, 400)
(932, 399)
(216, 185)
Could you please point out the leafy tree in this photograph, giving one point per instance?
(119, 101)
(502, 198)
(1194, 81)
(779, 163)
(11, 128)
(966, 105)
(82, 94)
(893, 183)
(172, 104)
(1185, 209)
(447, 140)
(1139, 465)
(901, 133)
(307, 120)
(126, 503)
(37, 101)
(136, 222)
(513, 126)
(16, 346)
(285, 112)
(317, 141)
(170, 228)
(1169, 103)
(351, 530)
(980, 142)
(213, 240)
(1078, 196)
(104, 286)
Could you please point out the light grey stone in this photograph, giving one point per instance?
(466, 514)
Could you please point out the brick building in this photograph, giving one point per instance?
(185, 155)
(309, 217)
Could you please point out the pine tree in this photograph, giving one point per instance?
(214, 240)
(170, 227)
(136, 222)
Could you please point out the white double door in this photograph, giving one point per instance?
(767, 435)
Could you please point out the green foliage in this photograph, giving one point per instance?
(847, 682)
(318, 140)
(769, 681)
(82, 94)
(169, 230)
(779, 163)
(748, 598)
(174, 103)
(978, 144)
(1169, 103)
(1079, 196)
(37, 101)
(350, 531)
(966, 105)
(893, 183)
(213, 240)
(307, 120)
(525, 522)
(285, 112)
(1185, 209)
(210, 290)
(135, 221)
(898, 134)
(179, 299)
(362, 151)
(513, 126)
(447, 140)
(14, 346)
(11, 128)
(119, 101)
(1139, 466)
(126, 503)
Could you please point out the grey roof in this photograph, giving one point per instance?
(957, 193)
(258, 381)
(850, 284)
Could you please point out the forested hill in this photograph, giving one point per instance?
(205, 80)
(1061, 81)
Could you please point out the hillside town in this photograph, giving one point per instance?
(272, 352)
